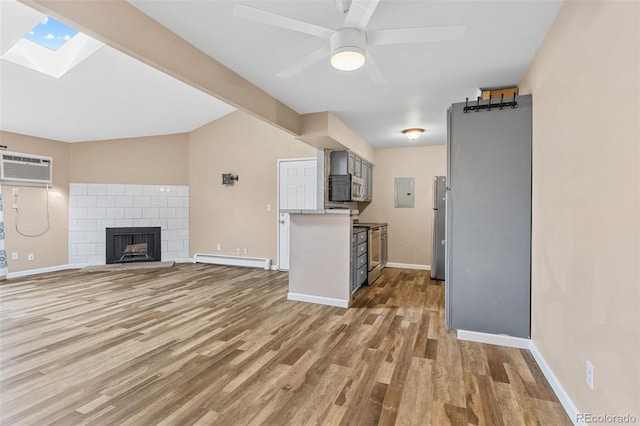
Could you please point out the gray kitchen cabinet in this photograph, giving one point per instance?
(348, 163)
(368, 181)
(359, 256)
(358, 167)
(488, 236)
(343, 162)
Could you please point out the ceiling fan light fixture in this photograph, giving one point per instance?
(347, 49)
(413, 133)
(348, 59)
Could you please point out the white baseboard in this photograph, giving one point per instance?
(563, 396)
(254, 262)
(45, 270)
(408, 266)
(493, 339)
(340, 303)
(184, 260)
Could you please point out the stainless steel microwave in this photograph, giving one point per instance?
(346, 188)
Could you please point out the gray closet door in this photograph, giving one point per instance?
(489, 220)
(447, 261)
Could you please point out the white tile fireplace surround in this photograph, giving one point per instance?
(95, 207)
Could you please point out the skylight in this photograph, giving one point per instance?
(51, 47)
(50, 33)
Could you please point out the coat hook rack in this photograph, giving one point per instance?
(489, 106)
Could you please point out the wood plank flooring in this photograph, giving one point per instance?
(209, 345)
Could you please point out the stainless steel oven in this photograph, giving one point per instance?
(375, 254)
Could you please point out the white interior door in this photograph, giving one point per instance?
(296, 190)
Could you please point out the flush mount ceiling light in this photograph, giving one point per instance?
(413, 133)
(347, 49)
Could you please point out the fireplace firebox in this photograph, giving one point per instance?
(137, 244)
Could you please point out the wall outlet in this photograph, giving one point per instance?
(14, 255)
(245, 251)
(238, 250)
(218, 247)
(16, 191)
(589, 375)
(30, 256)
(268, 207)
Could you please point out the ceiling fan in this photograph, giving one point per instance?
(348, 45)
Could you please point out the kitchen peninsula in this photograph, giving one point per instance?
(320, 256)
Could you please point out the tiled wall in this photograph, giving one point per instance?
(95, 207)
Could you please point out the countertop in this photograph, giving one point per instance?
(370, 225)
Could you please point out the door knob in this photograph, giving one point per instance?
(282, 222)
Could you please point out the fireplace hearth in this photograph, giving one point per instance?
(136, 244)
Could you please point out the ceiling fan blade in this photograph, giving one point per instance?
(359, 13)
(373, 71)
(268, 18)
(415, 35)
(304, 63)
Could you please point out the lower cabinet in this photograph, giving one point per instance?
(359, 256)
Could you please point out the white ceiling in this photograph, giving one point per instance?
(422, 79)
(107, 96)
(111, 95)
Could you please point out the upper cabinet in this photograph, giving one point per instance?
(343, 163)
(348, 163)
(367, 175)
(359, 164)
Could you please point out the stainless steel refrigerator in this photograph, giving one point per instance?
(439, 219)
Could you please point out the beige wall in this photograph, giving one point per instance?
(152, 160)
(236, 216)
(586, 202)
(50, 249)
(317, 241)
(409, 232)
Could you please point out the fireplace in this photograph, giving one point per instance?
(137, 244)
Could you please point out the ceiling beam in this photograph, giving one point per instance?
(126, 28)
(325, 130)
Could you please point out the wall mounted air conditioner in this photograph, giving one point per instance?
(26, 169)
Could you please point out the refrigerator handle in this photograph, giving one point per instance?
(435, 193)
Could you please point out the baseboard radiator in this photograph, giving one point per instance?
(214, 259)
